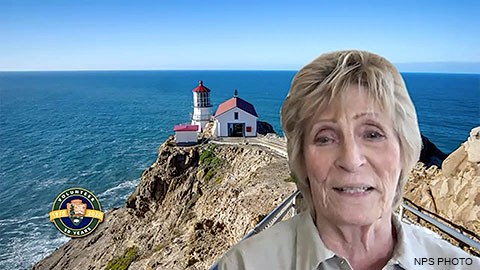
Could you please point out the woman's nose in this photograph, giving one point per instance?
(350, 158)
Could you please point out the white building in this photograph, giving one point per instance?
(235, 118)
(201, 106)
(185, 134)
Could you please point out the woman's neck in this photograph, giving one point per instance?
(364, 246)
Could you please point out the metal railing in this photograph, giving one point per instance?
(199, 118)
(271, 219)
(452, 230)
(443, 225)
(275, 216)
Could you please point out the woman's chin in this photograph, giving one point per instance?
(356, 214)
(358, 219)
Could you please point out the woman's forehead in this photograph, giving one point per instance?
(354, 101)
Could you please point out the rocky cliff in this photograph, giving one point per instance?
(195, 202)
(190, 206)
(264, 128)
(452, 192)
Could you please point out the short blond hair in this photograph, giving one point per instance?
(319, 83)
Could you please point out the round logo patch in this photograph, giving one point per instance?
(76, 212)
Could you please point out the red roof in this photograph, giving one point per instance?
(236, 102)
(185, 128)
(200, 88)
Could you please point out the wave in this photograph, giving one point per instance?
(21, 220)
(29, 240)
(117, 195)
(21, 253)
(114, 190)
(49, 182)
(89, 173)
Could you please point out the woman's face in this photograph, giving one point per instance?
(352, 157)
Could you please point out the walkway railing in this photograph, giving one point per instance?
(466, 239)
(443, 225)
(275, 216)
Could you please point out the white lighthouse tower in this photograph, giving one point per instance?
(201, 106)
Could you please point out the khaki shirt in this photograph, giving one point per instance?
(296, 244)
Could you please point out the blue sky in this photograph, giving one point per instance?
(176, 34)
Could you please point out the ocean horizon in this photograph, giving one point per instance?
(101, 129)
(410, 69)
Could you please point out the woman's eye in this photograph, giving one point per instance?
(374, 135)
(322, 140)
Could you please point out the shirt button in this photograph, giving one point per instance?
(344, 265)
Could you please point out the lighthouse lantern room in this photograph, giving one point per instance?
(201, 106)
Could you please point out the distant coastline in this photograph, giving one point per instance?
(404, 67)
(440, 67)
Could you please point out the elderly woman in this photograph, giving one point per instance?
(352, 138)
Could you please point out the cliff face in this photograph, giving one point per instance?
(194, 203)
(190, 206)
(264, 128)
(453, 191)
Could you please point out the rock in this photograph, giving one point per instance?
(264, 128)
(454, 161)
(468, 152)
(430, 154)
(184, 215)
(472, 145)
(175, 218)
(452, 192)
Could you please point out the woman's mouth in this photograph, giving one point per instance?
(354, 190)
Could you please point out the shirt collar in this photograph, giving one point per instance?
(407, 247)
(310, 249)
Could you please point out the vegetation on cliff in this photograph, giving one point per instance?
(124, 261)
(195, 202)
(189, 207)
(210, 164)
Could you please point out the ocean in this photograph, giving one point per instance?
(100, 129)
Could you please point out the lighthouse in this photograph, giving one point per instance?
(201, 106)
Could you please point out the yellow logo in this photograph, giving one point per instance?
(76, 212)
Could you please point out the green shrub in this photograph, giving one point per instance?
(206, 156)
(215, 162)
(124, 261)
(210, 162)
(218, 180)
(291, 179)
(209, 175)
